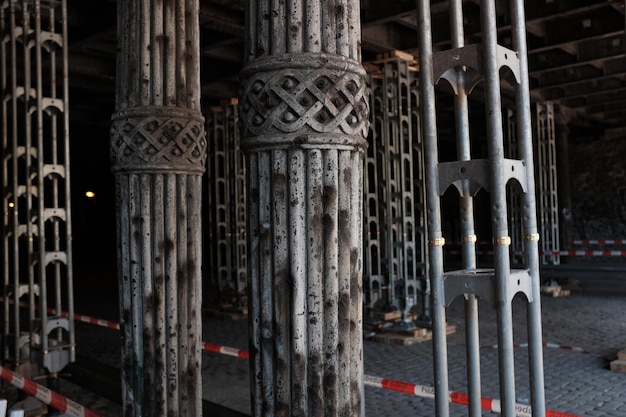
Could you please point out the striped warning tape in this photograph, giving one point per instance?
(488, 404)
(590, 253)
(574, 242)
(116, 326)
(224, 350)
(600, 242)
(97, 322)
(555, 253)
(53, 399)
(81, 317)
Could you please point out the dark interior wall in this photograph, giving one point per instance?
(598, 186)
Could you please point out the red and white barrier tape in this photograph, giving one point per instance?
(80, 317)
(555, 253)
(97, 322)
(589, 253)
(600, 242)
(488, 404)
(224, 350)
(574, 242)
(55, 400)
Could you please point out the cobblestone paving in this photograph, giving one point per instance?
(576, 383)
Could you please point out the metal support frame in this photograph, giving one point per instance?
(514, 196)
(226, 202)
(464, 66)
(395, 237)
(547, 193)
(37, 253)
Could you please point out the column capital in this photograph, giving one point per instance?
(158, 139)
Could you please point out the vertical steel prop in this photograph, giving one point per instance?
(158, 152)
(304, 112)
(226, 203)
(462, 87)
(395, 236)
(514, 198)
(37, 252)
(547, 189)
(464, 66)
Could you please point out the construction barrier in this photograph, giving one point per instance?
(590, 253)
(600, 242)
(554, 253)
(223, 350)
(488, 404)
(53, 399)
(79, 317)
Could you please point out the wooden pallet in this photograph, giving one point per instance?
(396, 54)
(554, 291)
(406, 337)
(619, 364)
(374, 67)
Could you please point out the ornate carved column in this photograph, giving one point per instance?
(304, 113)
(158, 150)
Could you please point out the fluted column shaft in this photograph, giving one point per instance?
(158, 151)
(304, 113)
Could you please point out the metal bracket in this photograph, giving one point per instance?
(482, 283)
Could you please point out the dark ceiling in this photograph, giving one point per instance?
(576, 51)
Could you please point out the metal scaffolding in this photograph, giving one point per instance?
(394, 219)
(226, 195)
(547, 192)
(514, 197)
(395, 236)
(464, 67)
(37, 252)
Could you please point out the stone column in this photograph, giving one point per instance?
(158, 151)
(304, 113)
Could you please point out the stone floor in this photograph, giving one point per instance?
(576, 383)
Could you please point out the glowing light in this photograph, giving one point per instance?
(90, 194)
(11, 204)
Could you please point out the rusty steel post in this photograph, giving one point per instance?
(158, 151)
(304, 112)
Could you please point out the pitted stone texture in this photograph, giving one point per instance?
(151, 139)
(329, 98)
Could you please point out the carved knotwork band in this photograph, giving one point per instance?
(287, 101)
(158, 139)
